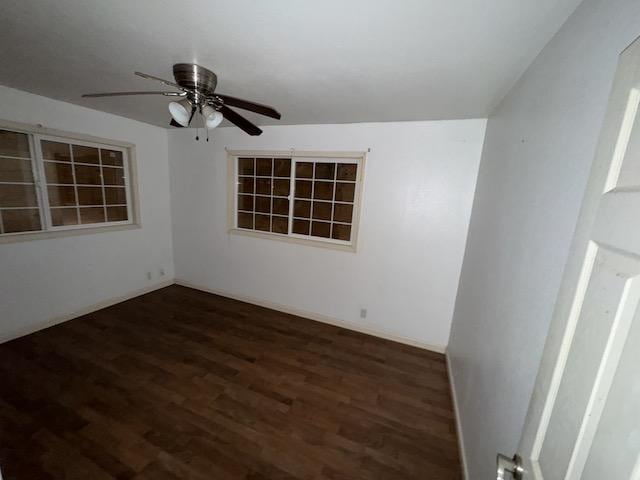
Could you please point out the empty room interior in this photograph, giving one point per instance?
(293, 239)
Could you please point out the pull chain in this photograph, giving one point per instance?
(197, 137)
(207, 134)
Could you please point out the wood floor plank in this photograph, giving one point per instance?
(181, 384)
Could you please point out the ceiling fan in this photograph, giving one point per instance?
(196, 86)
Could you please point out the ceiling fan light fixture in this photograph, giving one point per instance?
(181, 111)
(196, 87)
(212, 117)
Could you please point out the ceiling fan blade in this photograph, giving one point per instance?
(173, 123)
(157, 79)
(239, 121)
(248, 105)
(124, 94)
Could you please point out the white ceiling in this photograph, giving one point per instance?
(323, 61)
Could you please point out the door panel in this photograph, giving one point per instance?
(584, 416)
(624, 172)
(614, 453)
(612, 295)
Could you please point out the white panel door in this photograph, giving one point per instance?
(584, 416)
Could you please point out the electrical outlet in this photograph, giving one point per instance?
(363, 313)
(148, 275)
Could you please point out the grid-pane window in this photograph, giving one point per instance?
(85, 184)
(19, 211)
(263, 194)
(50, 183)
(324, 197)
(303, 197)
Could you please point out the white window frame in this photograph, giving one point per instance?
(358, 158)
(36, 133)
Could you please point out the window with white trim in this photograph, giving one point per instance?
(52, 183)
(310, 196)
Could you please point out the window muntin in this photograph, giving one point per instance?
(312, 198)
(50, 183)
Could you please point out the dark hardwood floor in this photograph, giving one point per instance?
(181, 384)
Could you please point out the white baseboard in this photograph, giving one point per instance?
(262, 303)
(83, 311)
(456, 412)
(315, 316)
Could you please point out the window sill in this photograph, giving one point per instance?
(296, 240)
(42, 235)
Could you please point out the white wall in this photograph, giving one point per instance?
(539, 147)
(418, 190)
(43, 280)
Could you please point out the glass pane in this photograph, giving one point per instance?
(92, 215)
(282, 167)
(15, 170)
(321, 229)
(325, 170)
(279, 224)
(322, 210)
(245, 220)
(263, 204)
(21, 220)
(58, 172)
(303, 189)
(343, 212)
(117, 214)
(280, 206)
(88, 175)
(263, 222)
(281, 187)
(264, 167)
(111, 157)
(113, 176)
(323, 190)
(263, 186)
(18, 196)
(115, 196)
(245, 202)
(304, 170)
(58, 151)
(347, 171)
(301, 227)
(82, 154)
(14, 144)
(302, 208)
(345, 192)
(64, 216)
(341, 232)
(92, 196)
(245, 185)
(245, 166)
(61, 196)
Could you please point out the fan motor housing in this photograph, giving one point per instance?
(194, 77)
